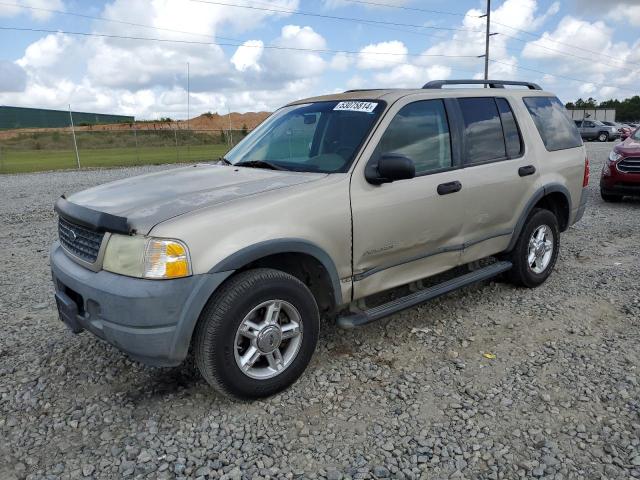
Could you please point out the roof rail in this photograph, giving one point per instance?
(491, 83)
(367, 89)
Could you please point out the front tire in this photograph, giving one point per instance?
(256, 336)
(536, 250)
(603, 137)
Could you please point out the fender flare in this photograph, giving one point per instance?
(535, 198)
(284, 245)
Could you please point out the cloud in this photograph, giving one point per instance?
(33, 11)
(411, 76)
(381, 55)
(626, 12)
(295, 65)
(340, 62)
(148, 79)
(605, 65)
(248, 55)
(13, 78)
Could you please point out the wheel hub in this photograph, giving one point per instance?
(540, 249)
(269, 338)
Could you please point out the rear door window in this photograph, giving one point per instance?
(483, 136)
(552, 120)
(512, 138)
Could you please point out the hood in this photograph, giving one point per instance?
(147, 200)
(628, 147)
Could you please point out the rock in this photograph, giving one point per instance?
(381, 472)
(333, 474)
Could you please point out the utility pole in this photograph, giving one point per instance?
(230, 134)
(486, 44)
(73, 131)
(188, 112)
(188, 96)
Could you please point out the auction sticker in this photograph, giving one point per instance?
(354, 106)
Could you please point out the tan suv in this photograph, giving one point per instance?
(331, 200)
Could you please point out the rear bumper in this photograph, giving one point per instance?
(151, 320)
(579, 212)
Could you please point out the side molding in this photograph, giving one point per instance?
(285, 245)
(537, 196)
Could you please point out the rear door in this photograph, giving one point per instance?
(498, 177)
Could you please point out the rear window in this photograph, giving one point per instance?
(552, 120)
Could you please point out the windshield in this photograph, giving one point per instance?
(314, 137)
(636, 135)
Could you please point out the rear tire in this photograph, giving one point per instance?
(536, 250)
(607, 197)
(256, 336)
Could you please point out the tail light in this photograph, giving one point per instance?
(585, 179)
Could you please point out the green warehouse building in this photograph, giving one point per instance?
(19, 117)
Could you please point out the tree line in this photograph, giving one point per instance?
(627, 110)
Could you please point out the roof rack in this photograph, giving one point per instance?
(491, 83)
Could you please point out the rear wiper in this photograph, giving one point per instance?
(259, 164)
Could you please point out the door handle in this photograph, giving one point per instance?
(450, 187)
(528, 170)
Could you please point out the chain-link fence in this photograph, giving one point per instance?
(38, 150)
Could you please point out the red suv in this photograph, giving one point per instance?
(621, 173)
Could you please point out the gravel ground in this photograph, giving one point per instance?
(412, 396)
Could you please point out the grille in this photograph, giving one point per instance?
(629, 165)
(79, 241)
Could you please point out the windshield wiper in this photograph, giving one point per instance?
(259, 164)
(225, 161)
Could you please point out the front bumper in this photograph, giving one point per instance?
(620, 183)
(151, 320)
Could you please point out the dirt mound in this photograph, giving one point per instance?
(206, 121)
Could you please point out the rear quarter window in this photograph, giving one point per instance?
(552, 120)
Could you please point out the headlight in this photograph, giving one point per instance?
(146, 257)
(614, 156)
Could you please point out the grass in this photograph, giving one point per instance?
(22, 161)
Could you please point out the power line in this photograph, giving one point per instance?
(111, 20)
(228, 44)
(332, 17)
(321, 51)
(403, 7)
(600, 85)
(570, 54)
(567, 54)
(585, 59)
(540, 37)
(527, 32)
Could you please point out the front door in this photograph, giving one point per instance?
(407, 230)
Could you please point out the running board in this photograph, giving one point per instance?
(413, 299)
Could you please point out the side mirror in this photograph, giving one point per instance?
(389, 168)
